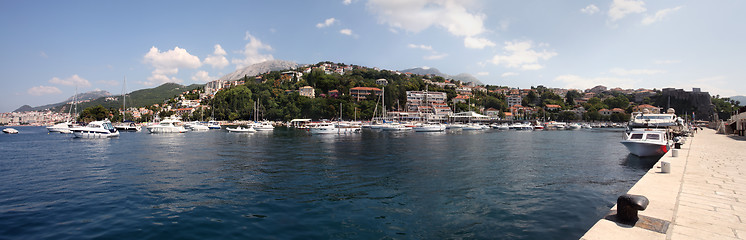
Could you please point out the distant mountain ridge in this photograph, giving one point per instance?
(80, 96)
(139, 98)
(259, 68)
(741, 99)
(464, 77)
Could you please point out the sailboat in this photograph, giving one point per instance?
(263, 125)
(126, 126)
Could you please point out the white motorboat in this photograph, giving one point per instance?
(169, 125)
(333, 128)
(647, 142)
(241, 129)
(429, 127)
(196, 126)
(262, 126)
(472, 126)
(650, 134)
(10, 131)
(212, 124)
(573, 126)
(63, 127)
(128, 126)
(522, 127)
(96, 129)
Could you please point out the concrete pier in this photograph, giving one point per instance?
(702, 197)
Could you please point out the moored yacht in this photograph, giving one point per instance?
(650, 134)
(262, 126)
(241, 129)
(212, 124)
(128, 126)
(429, 127)
(63, 127)
(96, 129)
(196, 126)
(169, 125)
(647, 142)
(333, 128)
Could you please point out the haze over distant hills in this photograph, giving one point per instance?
(138, 98)
(741, 99)
(260, 68)
(464, 77)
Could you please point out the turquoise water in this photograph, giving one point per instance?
(288, 184)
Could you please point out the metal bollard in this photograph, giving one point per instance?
(665, 167)
(674, 152)
(627, 207)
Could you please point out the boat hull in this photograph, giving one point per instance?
(167, 129)
(436, 128)
(94, 134)
(334, 130)
(646, 149)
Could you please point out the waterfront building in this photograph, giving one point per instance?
(364, 92)
(416, 99)
(514, 99)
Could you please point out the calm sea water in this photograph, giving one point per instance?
(288, 184)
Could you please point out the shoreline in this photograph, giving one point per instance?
(703, 196)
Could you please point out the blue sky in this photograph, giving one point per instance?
(49, 47)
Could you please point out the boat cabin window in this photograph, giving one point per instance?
(636, 136)
(653, 136)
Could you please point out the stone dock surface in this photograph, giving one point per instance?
(703, 197)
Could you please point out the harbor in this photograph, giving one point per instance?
(289, 183)
(701, 196)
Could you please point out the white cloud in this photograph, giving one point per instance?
(578, 82)
(217, 59)
(421, 46)
(508, 74)
(621, 8)
(659, 15)
(435, 56)
(346, 2)
(168, 63)
(667, 61)
(202, 76)
(252, 53)
(483, 73)
(590, 9)
(346, 31)
(73, 80)
(43, 90)
(415, 16)
(326, 23)
(627, 72)
(478, 43)
(521, 55)
(43, 54)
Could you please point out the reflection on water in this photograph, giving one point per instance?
(642, 163)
